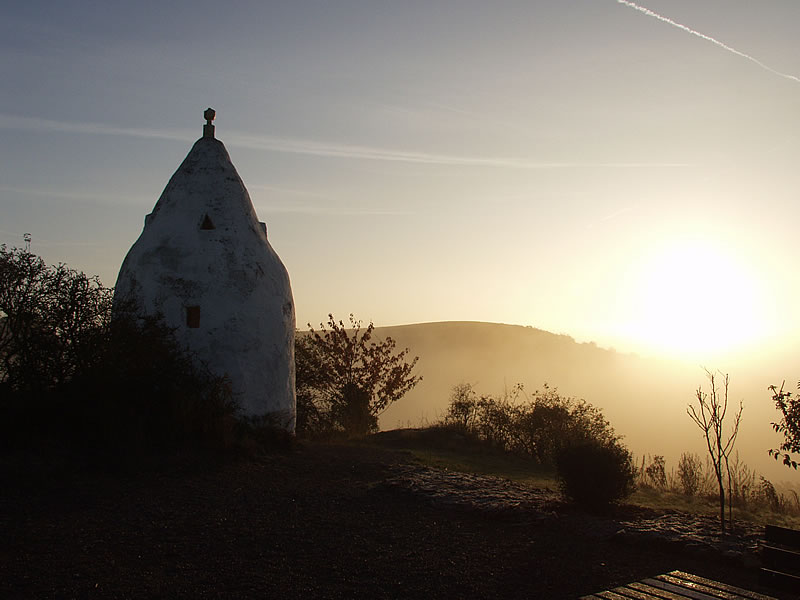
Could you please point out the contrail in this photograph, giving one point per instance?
(708, 38)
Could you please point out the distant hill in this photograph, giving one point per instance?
(644, 399)
(494, 356)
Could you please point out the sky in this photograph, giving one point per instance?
(622, 173)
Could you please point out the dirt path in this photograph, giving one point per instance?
(322, 521)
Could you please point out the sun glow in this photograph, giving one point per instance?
(696, 300)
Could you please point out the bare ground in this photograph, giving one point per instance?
(319, 521)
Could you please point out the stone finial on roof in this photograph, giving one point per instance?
(208, 128)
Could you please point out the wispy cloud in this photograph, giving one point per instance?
(49, 192)
(315, 209)
(708, 38)
(318, 148)
(258, 187)
(36, 124)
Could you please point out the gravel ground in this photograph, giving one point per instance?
(321, 521)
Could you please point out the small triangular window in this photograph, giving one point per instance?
(207, 223)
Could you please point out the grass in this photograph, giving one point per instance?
(709, 505)
(444, 448)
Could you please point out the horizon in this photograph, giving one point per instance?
(617, 172)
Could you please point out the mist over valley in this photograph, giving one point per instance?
(644, 398)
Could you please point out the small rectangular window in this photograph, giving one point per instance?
(193, 317)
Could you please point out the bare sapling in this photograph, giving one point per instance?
(709, 415)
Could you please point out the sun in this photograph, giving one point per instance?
(694, 299)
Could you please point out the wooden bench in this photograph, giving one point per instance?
(677, 585)
(780, 559)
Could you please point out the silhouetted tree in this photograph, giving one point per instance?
(463, 408)
(117, 385)
(709, 416)
(54, 320)
(345, 379)
(789, 425)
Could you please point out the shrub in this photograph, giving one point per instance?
(653, 475)
(537, 426)
(595, 475)
(114, 388)
(690, 474)
(776, 502)
(463, 407)
(345, 379)
(742, 483)
(789, 425)
(147, 394)
(52, 319)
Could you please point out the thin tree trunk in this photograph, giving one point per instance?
(730, 494)
(718, 435)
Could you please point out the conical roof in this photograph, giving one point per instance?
(206, 184)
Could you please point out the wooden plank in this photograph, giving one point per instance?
(713, 589)
(681, 591)
(738, 592)
(614, 595)
(678, 585)
(633, 594)
(778, 559)
(659, 591)
(779, 581)
(696, 586)
(782, 536)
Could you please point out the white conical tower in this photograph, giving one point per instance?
(203, 262)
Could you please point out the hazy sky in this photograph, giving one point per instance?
(580, 166)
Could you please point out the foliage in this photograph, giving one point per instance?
(742, 485)
(690, 474)
(538, 426)
(776, 502)
(53, 320)
(594, 468)
(149, 394)
(709, 416)
(596, 475)
(345, 379)
(115, 387)
(463, 408)
(789, 425)
(312, 418)
(654, 475)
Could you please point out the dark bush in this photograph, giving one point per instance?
(690, 474)
(537, 425)
(52, 321)
(463, 409)
(654, 475)
(113, 388)
(345, 379)
(595, 475)
(148, 395)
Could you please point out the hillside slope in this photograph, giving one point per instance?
(645, 399)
